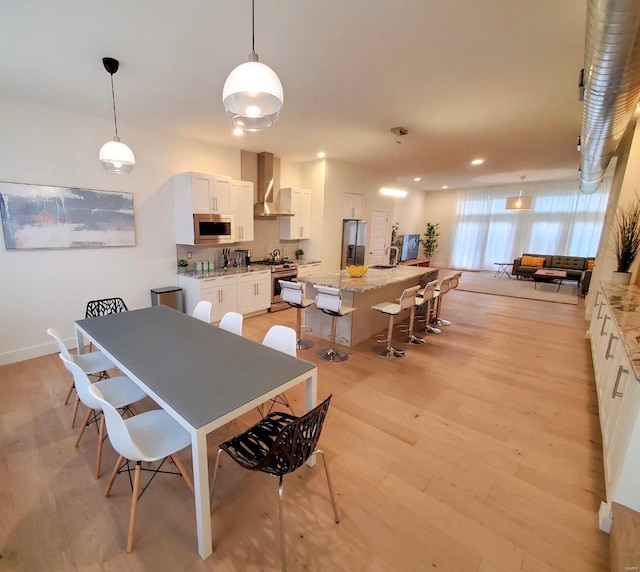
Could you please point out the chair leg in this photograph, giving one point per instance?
(326, 472)
(75, 413)
(84, 426)
(300, 343)
(411, 338)
(134, 505)
(69, 394)
(114, 474)
(183, 472)
(99, 451)
(215, 476)
(283, 554)
(388, 351)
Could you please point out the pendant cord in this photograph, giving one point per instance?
(253, 25)
(113, 99)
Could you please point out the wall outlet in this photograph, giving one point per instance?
(189, 255)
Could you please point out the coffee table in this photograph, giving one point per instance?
(549, 276)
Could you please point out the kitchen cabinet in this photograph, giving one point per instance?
(307, 270)
(221, 291)
(242, 200)
(202, 193)
(298, 226)
(254, 291)
(619, 410)
(352, 205)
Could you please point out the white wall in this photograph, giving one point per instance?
(50, 288)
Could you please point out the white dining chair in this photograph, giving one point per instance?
(202, 311)
(232, 322)
(120, 391)
(283, 339)
(148, 437)
(93, 363)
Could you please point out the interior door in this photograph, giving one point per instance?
(378, 242)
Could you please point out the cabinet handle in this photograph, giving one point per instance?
(615, 393)
(608, 355)
(599, 310)
(604, 323)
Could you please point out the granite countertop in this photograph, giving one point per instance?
(373, 279)
(624, 302)
(306, 261)
(222, 272)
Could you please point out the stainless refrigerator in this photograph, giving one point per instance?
(354, 242)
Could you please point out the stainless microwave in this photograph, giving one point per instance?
(213, 228)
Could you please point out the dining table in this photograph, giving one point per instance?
(201, 375)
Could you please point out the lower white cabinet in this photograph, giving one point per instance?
(254, 291)
(308, 269)
(619, 411)
(244, 293)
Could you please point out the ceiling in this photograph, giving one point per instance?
(495, 79)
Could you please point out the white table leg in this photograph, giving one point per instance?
(201, 488)
(79, 341)
(312, 399)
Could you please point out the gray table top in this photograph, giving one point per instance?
(201, 371)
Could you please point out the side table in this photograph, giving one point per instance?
(503, 269)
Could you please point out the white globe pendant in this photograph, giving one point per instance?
(117, 157)
(253, 95)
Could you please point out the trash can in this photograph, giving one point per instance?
(169, 296)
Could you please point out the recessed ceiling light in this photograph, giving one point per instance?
(321, 155)
(416, 179)
(477, 161)
(445, 186)
(399, 193)
(238, 131)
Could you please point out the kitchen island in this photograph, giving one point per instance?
(377, 285)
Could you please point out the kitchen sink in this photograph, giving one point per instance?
(382, 266)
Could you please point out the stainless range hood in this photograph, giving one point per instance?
(264, 171)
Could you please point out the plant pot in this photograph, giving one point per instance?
(621, 278)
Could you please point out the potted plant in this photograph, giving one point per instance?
(182, 265)
(626, 241)
(430, 240)
(299, 253)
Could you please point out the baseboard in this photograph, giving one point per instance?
(31, 352)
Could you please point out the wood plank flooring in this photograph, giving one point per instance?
(479, 451)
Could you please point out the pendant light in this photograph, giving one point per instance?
(115, 156)
(518, 203)
(252, 94)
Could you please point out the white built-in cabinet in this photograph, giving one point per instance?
(308, 269)
(200, 193)
(352, 205)
(254, 291)
(245, 293)
(297, 201)
(242, 201)
(619, 410)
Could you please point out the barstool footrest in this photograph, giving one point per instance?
(389, 352)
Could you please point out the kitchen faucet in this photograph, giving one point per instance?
(396, 253)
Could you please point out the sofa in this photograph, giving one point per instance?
(578, 268)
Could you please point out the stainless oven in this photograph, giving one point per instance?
(290, 273)
(213, 228)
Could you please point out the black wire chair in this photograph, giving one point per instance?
(278, 445)
(103, 307)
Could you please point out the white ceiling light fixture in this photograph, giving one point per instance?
(477, 161)
(114, 155)
(519, 203)
(252, 94)
(321, 155)
(417, 179)
(397, 193)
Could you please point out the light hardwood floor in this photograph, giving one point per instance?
(479, 451)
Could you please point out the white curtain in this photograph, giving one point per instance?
(562, 221)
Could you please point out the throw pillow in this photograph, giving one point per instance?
(590, 264)
(532, 261)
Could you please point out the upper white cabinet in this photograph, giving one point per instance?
(352, 205)
(242, 201)
(202, 193)
(298, 226)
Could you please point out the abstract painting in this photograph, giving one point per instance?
(38, 216)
